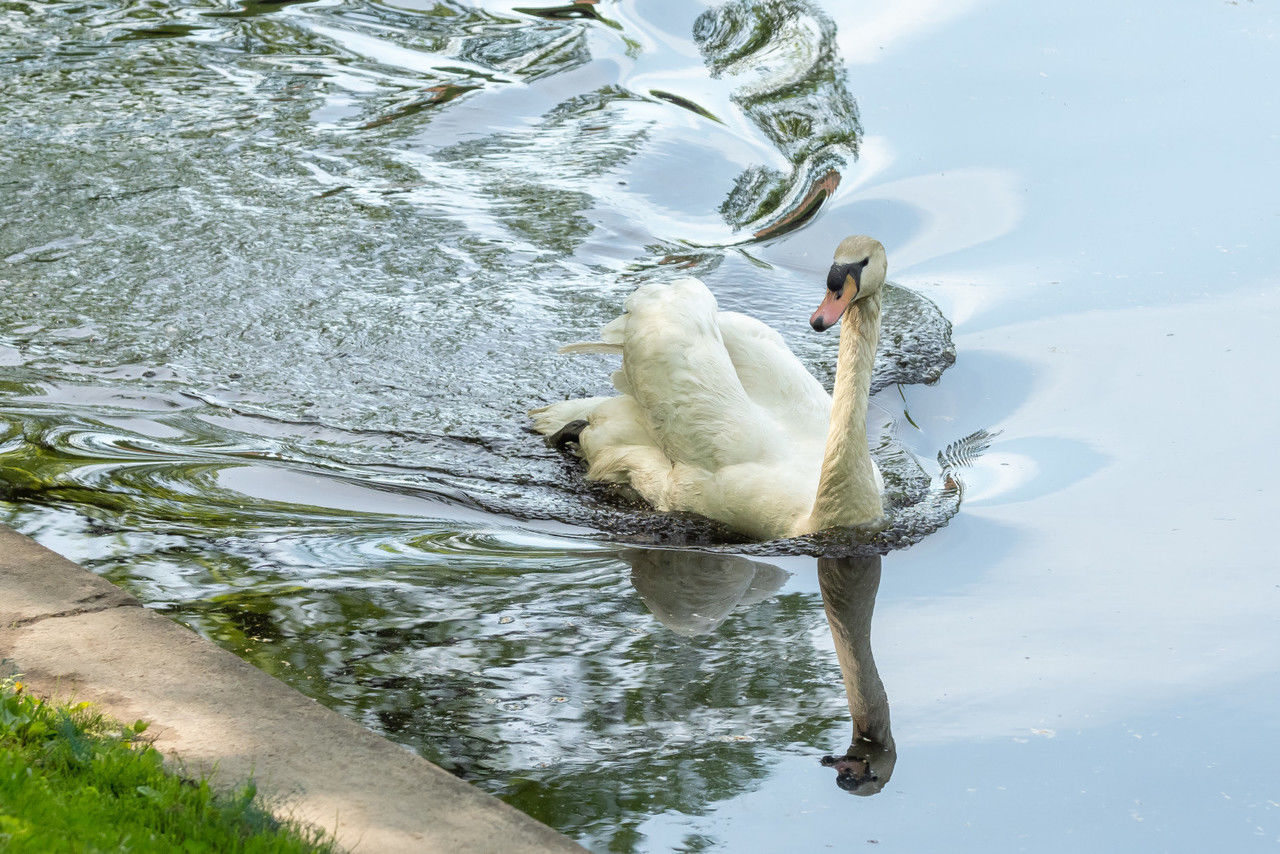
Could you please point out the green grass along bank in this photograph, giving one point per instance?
(74, 780)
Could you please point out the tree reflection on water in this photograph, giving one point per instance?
(281, 280)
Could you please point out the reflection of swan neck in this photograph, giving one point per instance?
(849, 596)
(847, 490)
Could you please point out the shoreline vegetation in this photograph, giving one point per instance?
(74, 780)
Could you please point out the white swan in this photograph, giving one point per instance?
(715, 415)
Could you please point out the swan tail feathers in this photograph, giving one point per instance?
(612, 337)
(591, 347)
(614, 332)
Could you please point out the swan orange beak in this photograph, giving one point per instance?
(834, 305)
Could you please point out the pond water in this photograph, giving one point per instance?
(280, 280)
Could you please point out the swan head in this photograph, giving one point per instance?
(857, 272)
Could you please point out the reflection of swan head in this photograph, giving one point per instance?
(857, 272)
(865, 767)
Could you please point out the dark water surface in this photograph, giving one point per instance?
(280, 279)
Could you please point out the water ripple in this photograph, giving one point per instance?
(280, 280)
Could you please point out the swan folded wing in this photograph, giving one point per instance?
(773, 377)
(676, 366)
(620, 448)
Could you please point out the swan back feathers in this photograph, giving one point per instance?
(715, 414)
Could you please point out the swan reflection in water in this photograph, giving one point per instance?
(692, 593)
(849, 588)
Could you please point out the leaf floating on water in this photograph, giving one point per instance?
(681, 101)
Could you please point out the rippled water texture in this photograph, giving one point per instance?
(280, 280)
(352, 237)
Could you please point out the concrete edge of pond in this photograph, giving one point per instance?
(74, 635)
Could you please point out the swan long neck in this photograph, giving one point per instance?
(847, 489)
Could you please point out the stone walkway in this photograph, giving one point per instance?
(74, 635)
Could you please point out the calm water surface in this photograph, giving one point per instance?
(280, 279)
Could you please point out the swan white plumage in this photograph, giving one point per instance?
(715, 415)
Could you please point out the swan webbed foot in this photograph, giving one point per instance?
(566, 434)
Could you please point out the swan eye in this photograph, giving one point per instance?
(838, 273)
